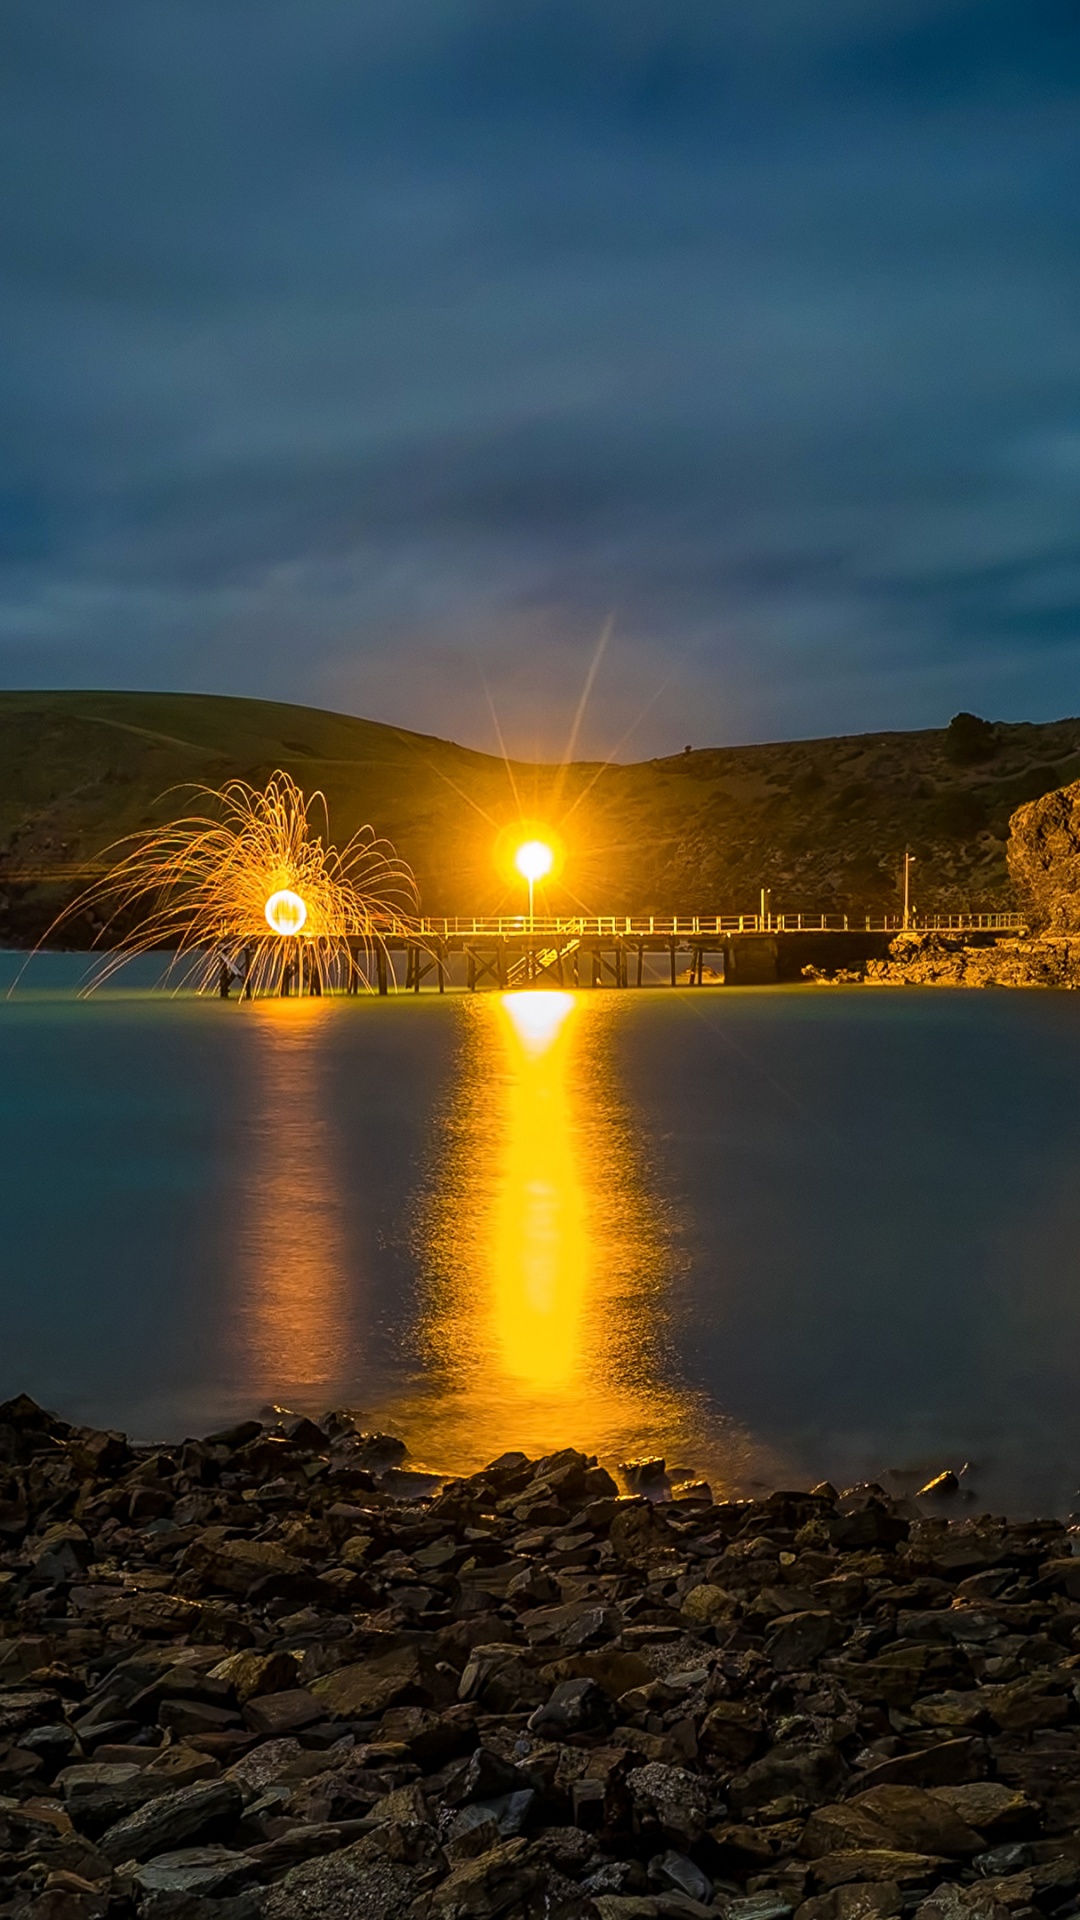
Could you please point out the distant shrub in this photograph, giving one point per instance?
(969, 739)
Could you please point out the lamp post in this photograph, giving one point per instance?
(909, 861)
(534, 861)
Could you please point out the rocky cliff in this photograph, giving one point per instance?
(1044, 859)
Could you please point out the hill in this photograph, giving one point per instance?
(823, 823)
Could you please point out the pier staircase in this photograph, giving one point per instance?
(546, 963)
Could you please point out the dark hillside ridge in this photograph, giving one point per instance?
(822, 823)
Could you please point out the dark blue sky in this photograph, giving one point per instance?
(352, 351)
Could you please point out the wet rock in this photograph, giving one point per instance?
(264, 1764)
(575, 1706)
(798, 1640)
(355, 1883)
(671, 1797)
(866, 1520)
(854, 1902)
(908, 1819)
(761, 1906)
(498, 1882)
(996, 1811)
(944, 1486)
(234, 1566)
(483, 1776)
(707, 1605)
(638, 1533)
(881, 1865)
(249, 1674)
(953, 1902)
(167, 1822)
(206, 1870)
(945, 1763)
(678, 1872)
(237, 1436)
(803, 1771)
(647, 1472)
(366, 1688)
(65, 1551)
(275, 1714)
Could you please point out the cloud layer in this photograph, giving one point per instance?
(374, 356)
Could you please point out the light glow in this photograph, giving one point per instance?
(534, 860)
(285, 912)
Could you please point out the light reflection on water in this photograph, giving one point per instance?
(293, 1292)
(546, 1260)
(545, 1264)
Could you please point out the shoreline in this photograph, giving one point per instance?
(948, 960)
(266, 1675)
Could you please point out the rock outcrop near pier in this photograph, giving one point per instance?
(271, 1675)
(949, 960)
(1044, 859)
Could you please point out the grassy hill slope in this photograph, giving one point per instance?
(821, 822)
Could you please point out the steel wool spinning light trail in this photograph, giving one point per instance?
(252, 884)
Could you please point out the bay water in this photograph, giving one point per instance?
(774, 1235)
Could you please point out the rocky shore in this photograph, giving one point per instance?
(950, 960)
(273, 1675)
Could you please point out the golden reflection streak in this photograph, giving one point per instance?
(293, 1297)
(540, 1236)
(545, 1325)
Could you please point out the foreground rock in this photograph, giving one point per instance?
(247, 1679)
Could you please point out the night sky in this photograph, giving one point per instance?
(375, 353)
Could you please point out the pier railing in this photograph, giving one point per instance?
(682, 925)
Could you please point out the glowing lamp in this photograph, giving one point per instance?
(534, 861)
(285, 912)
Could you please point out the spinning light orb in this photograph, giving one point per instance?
(285, 912)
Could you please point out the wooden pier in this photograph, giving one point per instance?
(617, 951)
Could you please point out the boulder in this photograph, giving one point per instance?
(368, 1687)
(854, 1902)
(804, 1771)
(170, 1820)
(1044, 859)
(356, 1882)
(905, 1818)
(676, 1800)
(798, 1640)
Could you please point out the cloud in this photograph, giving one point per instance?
(342, 346)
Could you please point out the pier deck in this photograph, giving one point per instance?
(613, 950)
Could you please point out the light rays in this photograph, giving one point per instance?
(545, 817)
(252, 885)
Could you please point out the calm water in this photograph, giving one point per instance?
(773, 1234)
